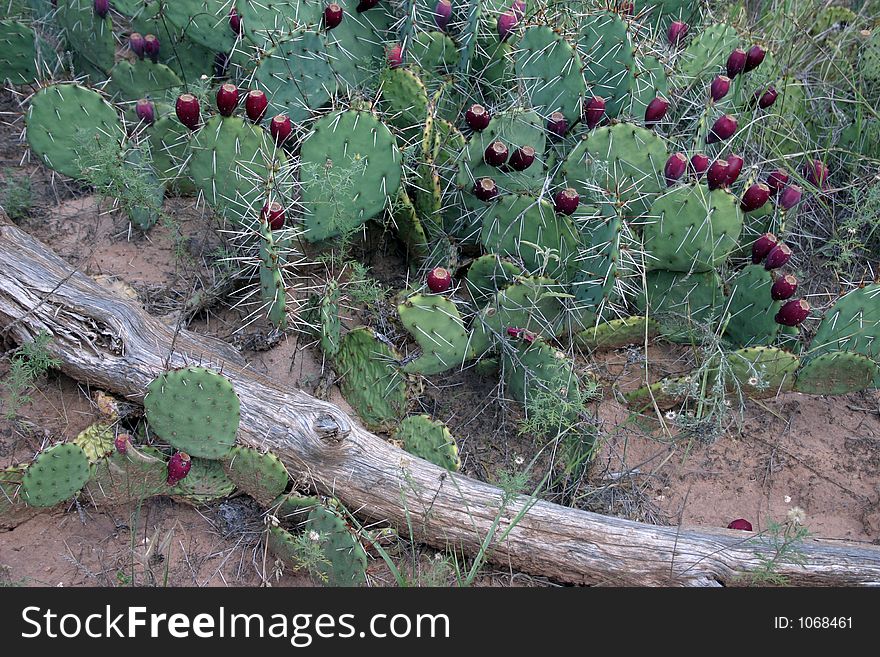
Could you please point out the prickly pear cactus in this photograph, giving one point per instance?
(430, 440)
(56, 475)
(136, 475)
(262, 476)
(436, 325)
(207, 481)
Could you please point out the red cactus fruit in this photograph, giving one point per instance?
(778, 256)
(762, 246)
(777, 180)
(485, 189)
(477, 117)
(514, 332)
(227, 99)
(566, 201)
(816, 173)
(699, 165)
(722, 129)
(394, 56)
(784, 287)
(677, 32)
(255, 104)
(766, 97)
(506, 24)
(187, 109)
(178, 468)
(122, 442)
(528, 337)
(716, 176)
(755, 197)
(719, 87)
(734, 167)
(151, 47)
(439, 280)
(496, 154)
(790, 197)
(594, 111)
(273, 214)
(145, 111)
(736, 62)
(656, 110)
(280, 127)
(332, 16)
(793, 312)
(442, 14)
(102, 8)
(557, 125)
(754, 58)
(234, 21)
(741, 524)
(522, 158)
(675, 167)
(519, 8)
(136, 43)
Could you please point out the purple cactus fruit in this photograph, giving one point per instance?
(255, 104)
(151, 47)
(736, 62)
(716, 176)
(439, 280)
(522, 158)
(793, 312)
(102, 8)
(519, 8)
(677, 32)
(145, 111)
(227, 99)
(221, 65)
(187, 109)
(699, 165)
(496, 154)
(136, 43)
(722, 129)
(394, 56)
(778, 256)
(719, 87)
(273, 214)
(675, 167)
(122, 442)
(363, 5)
(332, 16)
(506, 24)
(477, 117)
(790, 197)
(740, 523)
(280, 127)
(178, 468)
(734, 167)
(777, 180)
(754, 58)
(557, 125)
(235, 21)
(762, 246)
(566, 201)
(514, 332)
(626, 8)
(656, 110)
(594, 111)
(784, 287)
(816, 173)
(442, 14)
(755, 197)
(485, 189)
(766, 98)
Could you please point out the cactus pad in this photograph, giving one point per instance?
(533, 368)
(837, 373)
(138, 474)
(763, 371)
(96, 441)
(142, 79)
(550, 71)
(684, 304)
(488, 274)
(262, 476)
(752, 309)
(56, 475)
(24, 56)
(206, 482)
(194, 409)
(435, 324)
(430, 440)
(617, 333)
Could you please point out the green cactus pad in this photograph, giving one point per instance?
(144, 216)
(229, 163)
(61, 118)
(625, 160)
(142, 79)
(262, 476)
(707, 54)
(131, 477)
(529, 229)
(56, 475)
(752, 309)
(272, 290)
(194, 409)
(533, 368)
(607, 51)
(371, 379)
(433, 51)
(488, 274)
(435, 324)
(763, 371)
(649, 81)
(837, 373)
(429, 439)
(204, 21)
(852, 325)
(96, 441)
(323, 315)
(24, 56)
(409, 227)
(550, 72)
(169, 143)
(350, 168)
(297, 76)
(207, 481)
(616, 333)
(356, 47)
(88, 36)
(667, 394)
(269, 22)
(598, 261)
(405, 101)
(869, 65)
(685, 305)
(691, 229)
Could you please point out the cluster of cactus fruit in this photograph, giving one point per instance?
(520, 152)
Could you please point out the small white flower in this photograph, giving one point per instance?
(787, 499)
(796, 515)
(671, 415)
(314, 536)
(204, 77)
(753, 381)
(438, 557)
(272, 520)
(519, 460)
(728, 403)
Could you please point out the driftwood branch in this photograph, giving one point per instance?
(114, 345)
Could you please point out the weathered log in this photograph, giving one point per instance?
(114, 345)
